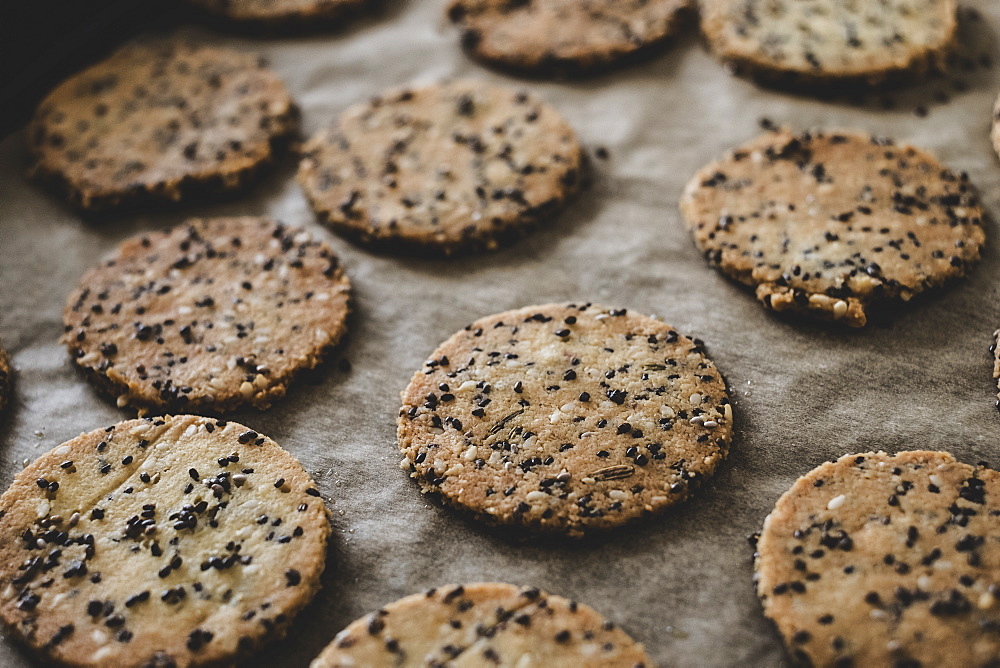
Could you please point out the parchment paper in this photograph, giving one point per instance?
(803, 393)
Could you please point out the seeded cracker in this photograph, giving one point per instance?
(487, 624)
(279, 11)
(830, 41)
(159, 122)
(172, 541)
(834, 224)
(886, 560)
(447, 168)
(563, 35)
(210, 315)
(565, 418)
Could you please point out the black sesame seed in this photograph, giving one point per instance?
(138, 598)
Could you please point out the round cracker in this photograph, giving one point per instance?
(565, 418)
(169, 541)
(561, 35)
(886, 560)
(279, 11)
(483, 624)
(450, 167)
(834, 224)
(211, 314)
(159, 121)
(830, 41)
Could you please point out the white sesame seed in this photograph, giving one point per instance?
(836, 502)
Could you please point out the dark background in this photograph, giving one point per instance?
(43, 41)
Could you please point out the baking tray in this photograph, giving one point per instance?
(803, 392)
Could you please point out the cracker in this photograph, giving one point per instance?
(280, 12)
(834, 224)
(830, 41)
(447, 168)
(171, 541)
(483, 624)
(159, 122)
(563, 35)
(886, 560)
(565, 418)
(210, 315)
